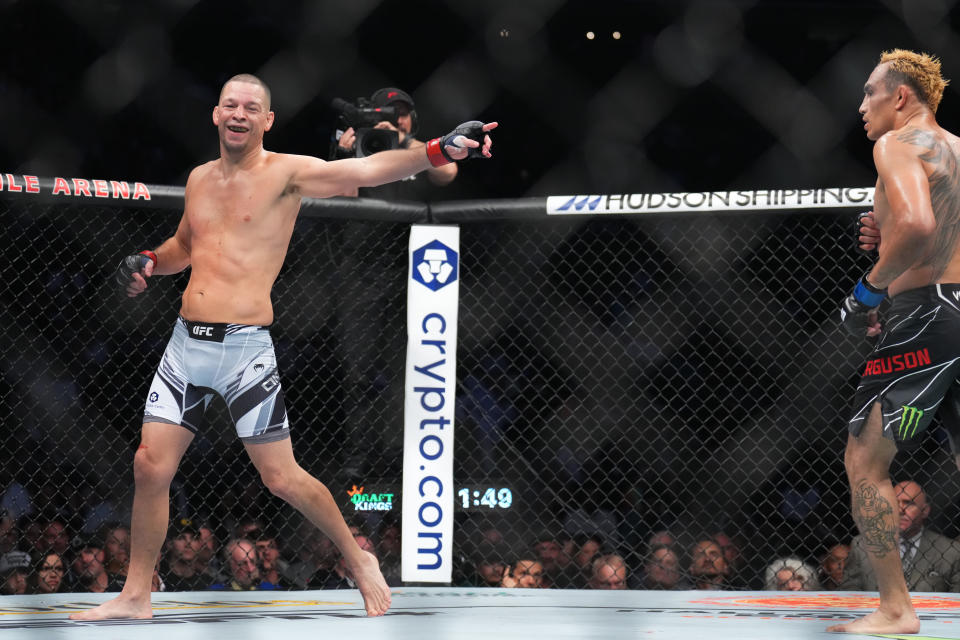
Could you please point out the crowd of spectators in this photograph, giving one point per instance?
(41, 554)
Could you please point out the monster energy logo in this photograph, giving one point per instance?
(909, 422)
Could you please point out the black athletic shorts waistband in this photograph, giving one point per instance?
(930, 293)
(216, 331)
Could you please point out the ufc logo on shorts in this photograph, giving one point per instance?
(211, 332)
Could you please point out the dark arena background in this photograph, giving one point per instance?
(618, 375)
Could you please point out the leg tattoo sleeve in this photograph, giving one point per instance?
(874, 517)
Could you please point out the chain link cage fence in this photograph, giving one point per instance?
(626, 385)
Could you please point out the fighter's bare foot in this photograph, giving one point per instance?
(880, 622)
(119, 607)
(373, 588)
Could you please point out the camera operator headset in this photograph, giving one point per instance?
(406, 128)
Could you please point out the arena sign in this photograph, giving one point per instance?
(77, 187)
(759, 199)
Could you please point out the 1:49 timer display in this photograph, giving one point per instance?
(492, 498)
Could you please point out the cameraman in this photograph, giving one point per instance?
(374, 333)
(406, 128)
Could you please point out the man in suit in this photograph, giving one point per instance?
(931, 562)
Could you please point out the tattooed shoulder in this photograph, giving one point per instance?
(920, 137)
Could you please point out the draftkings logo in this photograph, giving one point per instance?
(370, 501)
(435, 265)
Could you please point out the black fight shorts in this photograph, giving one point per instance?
(913, 369)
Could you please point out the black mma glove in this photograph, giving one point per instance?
(856, 307)
(131, 265)
(437, 148)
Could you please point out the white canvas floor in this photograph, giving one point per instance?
(467, 614)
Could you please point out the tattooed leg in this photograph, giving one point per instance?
(874, 517)
(875, 511)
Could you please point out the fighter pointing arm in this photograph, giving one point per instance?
(315, 178)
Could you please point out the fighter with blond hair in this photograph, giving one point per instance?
(916, 360)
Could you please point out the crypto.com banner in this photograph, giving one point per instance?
(432, 298)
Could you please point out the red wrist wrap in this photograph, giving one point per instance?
(151, 255)
(435, 153)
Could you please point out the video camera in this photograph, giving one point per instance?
(362, 116)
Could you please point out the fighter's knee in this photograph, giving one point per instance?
(149, 470)
(279, 483)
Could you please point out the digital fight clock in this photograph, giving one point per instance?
(484, 497)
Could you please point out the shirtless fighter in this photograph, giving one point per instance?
(239, 212)
(913, 370)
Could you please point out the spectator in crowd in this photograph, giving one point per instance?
(317, 556)
(662, 570)
(733, 553)
(89, 572)
(567, 574)
(207, 559)
(608, 572)
(931, 562)
(833, 566)
(272, 564)
(341, 577)
(356, 528)
(588, 546)
(116, 547)
(48, 574)
(14, 572)
(180, 569)
(249, 528)
(559, 571)
(54, 537)
(662, 538)
(525, 573)
(708, 566)
(490, 565)
(243, 574)
(9, 534)
(31, 530)
(389, 550)
(14, 581)
(790, 574)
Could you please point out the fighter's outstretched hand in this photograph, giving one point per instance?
(469, 140)
(134, 270)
